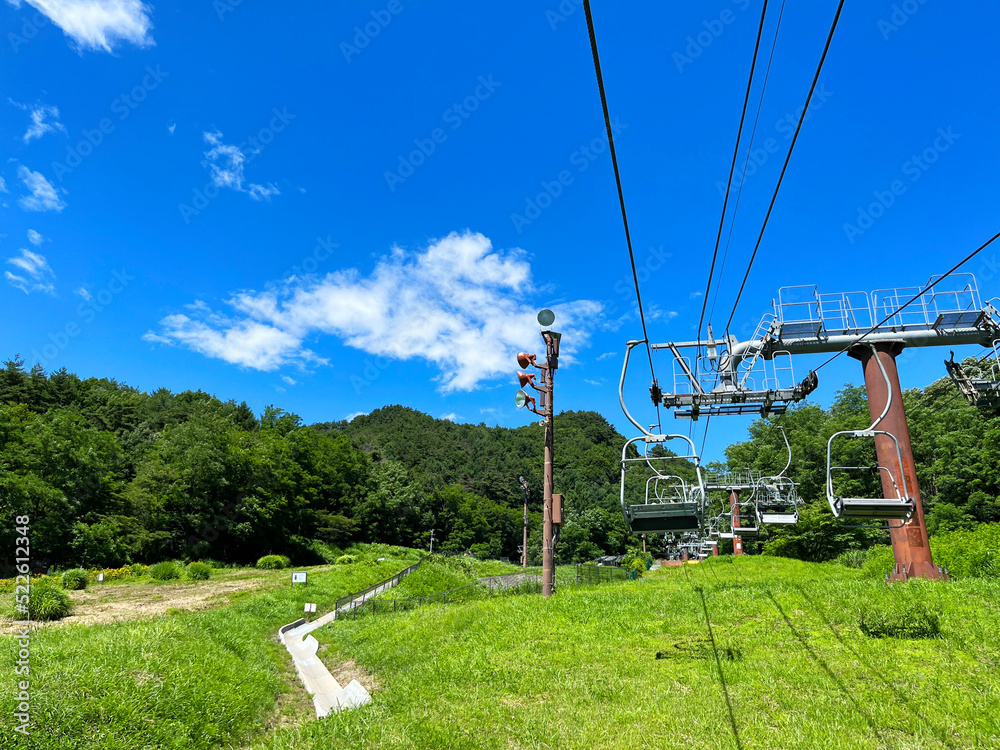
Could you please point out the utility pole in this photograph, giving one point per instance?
(910, 547)
(432, 541)
(524, 548)
(551, 339)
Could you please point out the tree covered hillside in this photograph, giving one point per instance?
(110, 474)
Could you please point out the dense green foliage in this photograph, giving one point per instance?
(110, 475)
(75, 579)
(165, 571)
(198, 571)
(273, 562)
(48, 602)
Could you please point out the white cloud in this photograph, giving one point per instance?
(350, 417)
(289, 380)
(226, 163)
(35, 238)
(459, 305)
(43, 195)
(451, 416)
(39, 127)
(82, 291)
(172, 128)
(34, 273)
(98, 24)
(695, 295)
(593, 382)
(3, 186)
(606, 355)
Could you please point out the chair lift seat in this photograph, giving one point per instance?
(746, 530)
(874, 508)
(779, 518)
(664, 518)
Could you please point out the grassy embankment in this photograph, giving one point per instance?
(747, 653)
(207, 679)
(783, 665)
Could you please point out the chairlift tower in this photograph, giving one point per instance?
(755, 376)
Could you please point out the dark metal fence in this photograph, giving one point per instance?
(508, 585)
(378, 588)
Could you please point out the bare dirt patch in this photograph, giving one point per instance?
(349, 670)
(117, 602)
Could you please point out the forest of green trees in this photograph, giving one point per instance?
(111, 475)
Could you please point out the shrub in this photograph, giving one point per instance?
(199, 571)
(165, 571)
(76, 579)
(273, 562)
(879, 561)
(48, 602)
(899, 617)
(138, 570)
(969, 554)
(853, 558)
(345, 560)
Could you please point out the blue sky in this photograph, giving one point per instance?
(332, 207)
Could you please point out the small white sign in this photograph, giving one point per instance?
(100, 576)
(310, 607)
(299, 577)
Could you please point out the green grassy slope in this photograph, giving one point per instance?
(196, 680)
(784, 665)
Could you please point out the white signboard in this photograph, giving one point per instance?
(299, 577)
(310, 607)
(100, 576)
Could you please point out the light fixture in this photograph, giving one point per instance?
(546, 317)
(522, 399)
(525, 360)
(525, 378)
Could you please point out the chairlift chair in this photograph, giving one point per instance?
(670, 504)
(777, 498)
(979, 386)
(899, 508)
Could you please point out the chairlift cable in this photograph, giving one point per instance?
(732, 169)
(618, 181)
(791, 148)
(746, 163)
(936, 409)
(913, 299)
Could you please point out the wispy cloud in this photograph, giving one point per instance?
(459, 305)
(451, 416)
(39, 113)
(3, 186)
(695, 295)
(606, 355)
(82, 292)
(290, 381)
(350, 417)
(33, 273)
(593, 382)
(44, 196)
(35, 238)
(226, 163)
(98, 24)
(171, 128)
